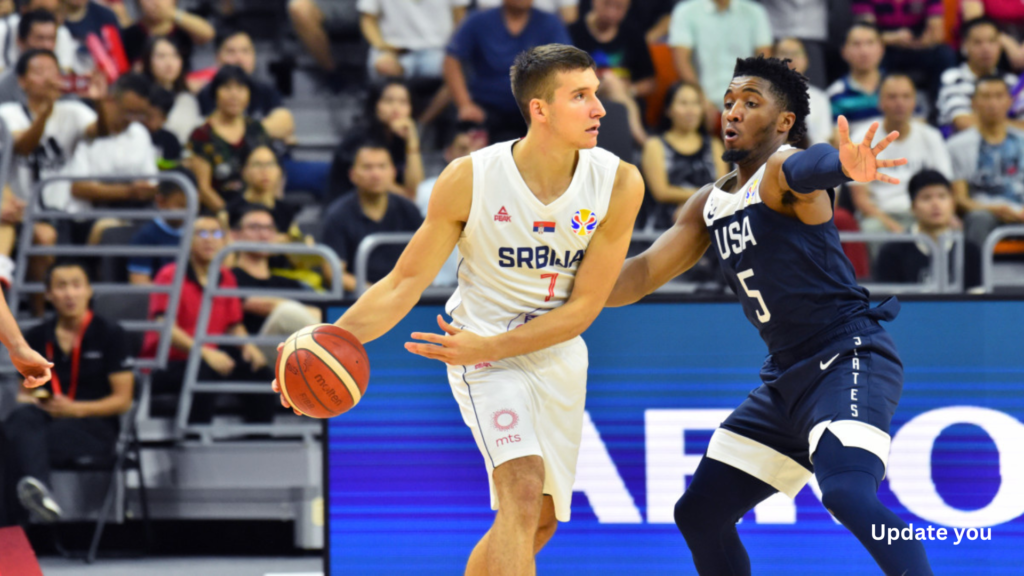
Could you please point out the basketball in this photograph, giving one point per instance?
(323, 371)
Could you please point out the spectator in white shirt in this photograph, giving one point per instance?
(126, 151)
(883, 206)
(64, 47)
(407, 37)
(36, 29)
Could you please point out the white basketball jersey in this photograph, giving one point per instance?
(519, 256)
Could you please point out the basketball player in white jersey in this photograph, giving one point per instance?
(543, 224)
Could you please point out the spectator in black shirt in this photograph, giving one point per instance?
(163, 18)
(266, 315)
(74, 417)
(235, 48)
(934, 210)
(84, 17)
(372, 209)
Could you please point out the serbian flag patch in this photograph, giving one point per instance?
(542, 227)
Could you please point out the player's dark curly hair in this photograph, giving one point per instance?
(788, 86)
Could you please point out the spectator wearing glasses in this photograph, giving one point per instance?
(245, 363)
(37, 30)
(75, 416)
(163, 65)
(266, 315)
(217, 149)
(126, 151)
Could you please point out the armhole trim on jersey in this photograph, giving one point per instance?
(475, 200)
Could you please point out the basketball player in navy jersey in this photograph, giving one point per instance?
(833, 377)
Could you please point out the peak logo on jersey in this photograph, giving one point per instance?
(542, 227)
(584, 222)
(502, 216)
(505, 419)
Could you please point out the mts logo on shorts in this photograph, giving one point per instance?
(503, 421)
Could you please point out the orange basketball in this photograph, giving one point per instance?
(323, 371)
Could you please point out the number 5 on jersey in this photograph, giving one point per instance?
(764, 316)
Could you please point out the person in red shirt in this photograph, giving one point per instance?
(246, 363)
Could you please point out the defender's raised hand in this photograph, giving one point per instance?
(860, 161)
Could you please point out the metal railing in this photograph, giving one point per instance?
(35, 213)
(374, 241)
(988, 255)
(6, 153)
(940, 281)
(192, 385)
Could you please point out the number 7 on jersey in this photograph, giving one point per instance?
(551, 287)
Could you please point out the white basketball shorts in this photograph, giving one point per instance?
(529, 405)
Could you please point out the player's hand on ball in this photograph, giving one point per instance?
(860, 161)
(456, 347)
(31, 365)
(277, 387)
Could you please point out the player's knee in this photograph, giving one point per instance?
(691, 515)
(545, 530)
(845, 500)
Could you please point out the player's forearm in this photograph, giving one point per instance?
(632, 284)
(381, 307)
(10, 334)
(817, 168)
(560, 325)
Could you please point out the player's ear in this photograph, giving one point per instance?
(786, 121)
(538, 109)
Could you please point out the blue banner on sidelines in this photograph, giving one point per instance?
(408, 491)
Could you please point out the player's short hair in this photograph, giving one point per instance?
(30, 19)
(863, 26)
(65, 263)
(25, 59)
(991, 78)
(534, 70)
(788, 86)
(966, 27)
(925, 178)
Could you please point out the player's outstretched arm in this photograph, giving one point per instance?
(808, 173)
(388, 301)
(675, 252)
(590, 290)
(30, 363)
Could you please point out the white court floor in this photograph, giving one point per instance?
(190, 566)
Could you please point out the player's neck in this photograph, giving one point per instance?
(546, 167)
(752, 163)
(993, 133)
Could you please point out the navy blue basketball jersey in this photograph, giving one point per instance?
(793, 279)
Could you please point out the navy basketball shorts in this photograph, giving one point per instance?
(850, 386)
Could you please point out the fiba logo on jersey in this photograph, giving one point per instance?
(505, 419)
(584, 222)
